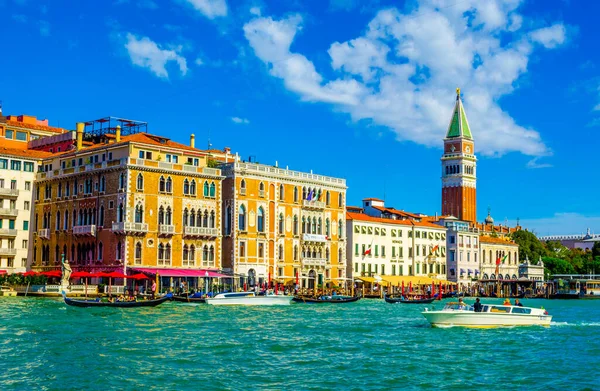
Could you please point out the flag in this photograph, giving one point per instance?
(367, 251)
(504, 259)
(435, 248)
(318, 195)
(309, 196)
(498, 260)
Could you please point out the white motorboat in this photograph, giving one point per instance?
(7, 291)
(248, 298)
(491, 315)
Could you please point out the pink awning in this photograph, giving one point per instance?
(182, 272)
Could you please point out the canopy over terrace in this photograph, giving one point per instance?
(395, 280)
(181, 272)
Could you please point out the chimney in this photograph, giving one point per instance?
(192, 140)
(227, 150)
(118, 134)
(80, 126)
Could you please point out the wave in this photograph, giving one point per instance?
(577, 324)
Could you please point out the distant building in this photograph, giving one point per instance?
(532, 272)
(463, 251)
(494, 249)
(387, 241)
(583, 241)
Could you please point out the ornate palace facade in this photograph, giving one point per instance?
(283, 224)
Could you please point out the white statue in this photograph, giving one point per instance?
(66, 273)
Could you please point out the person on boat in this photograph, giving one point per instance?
(506, 301)
(461, 303)
(153, 288)
(477, 307)
(518, 303)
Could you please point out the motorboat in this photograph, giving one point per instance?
(7, 291)
(248, 298)
(336, 299)
(414, 300)
(491, 315)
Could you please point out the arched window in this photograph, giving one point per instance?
(340, 229)
(168, 252)
(140, 182)
(280, 251)
(206, 189)
(102, 183)
(121, 183)
(213, 190)
(211, 255)
(66, 222)
(243, 187)
(303, 225)
(186, 186)
(295, 252)
(186, 216)
(161, 184)
(340, 256)
(261, 189)
(320, 226)
(281, 193)
(193, 218)
(169, 185)
(260, 220)
(281, 224)
(304, 193)
(228, 220)
(120, 250)
(138, 251)
(192, 256)
(205, 219)
(193, 187)
(57, 220)
(212, 219)
(161, 251)
(169, 216)
(327, 231)
(242, 218)
(327, 198)
(100, 251)
(185, 253)
(161, 215)
(340, 200)
(101, 222)
(295, 226)
(205, 254)
(295, 194)
(327, 254)
(139, 214)
(314, 226)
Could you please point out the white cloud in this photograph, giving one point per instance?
(533, 163)
(238, 120)
(550, 37)
(19, 18)
(562, 224)
(597, 107)
(44, 28)
(402, 72)
(210, 8)
(146, 53)
(255, 11)
(199, 61)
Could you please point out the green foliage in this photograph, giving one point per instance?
(558, 266)
(212, 163)
(529, 246)
(596, 250)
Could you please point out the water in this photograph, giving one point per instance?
(370, 344)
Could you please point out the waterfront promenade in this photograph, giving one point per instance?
(364, 345)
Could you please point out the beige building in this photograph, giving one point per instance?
(494, 248)
(18, 167)
(283, 224)
(388, 242)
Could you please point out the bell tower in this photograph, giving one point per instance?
(459, 172)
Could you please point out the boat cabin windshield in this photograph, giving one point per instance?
(458, 307)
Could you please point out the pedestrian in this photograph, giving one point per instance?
(153, 289)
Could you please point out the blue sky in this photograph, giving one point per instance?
(357, 89)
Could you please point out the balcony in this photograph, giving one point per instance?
(84, 230)
(8, 252)
(4, 212)
(164, 229)
(309, 262)
(44, 233)
(200, 231)
(313, 204)
(314, 238)
(9, 193)
(127, 227)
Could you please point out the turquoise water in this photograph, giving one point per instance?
(370, 344)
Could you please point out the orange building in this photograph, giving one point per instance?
(459, 173)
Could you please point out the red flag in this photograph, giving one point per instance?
(297, 278)
(410, 286)
(432, 288)
(435, 248)
(402, 288)
(498, 261)
(440, 296)
(245, 287)
(367, 251)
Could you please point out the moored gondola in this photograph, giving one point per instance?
(326, 299)
(394, 300)
(119, 304)
(189, 299)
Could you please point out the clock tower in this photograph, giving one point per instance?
(459, 173)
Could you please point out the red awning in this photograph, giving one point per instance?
(3, 272)
(182, 272)
(30, 273)
(139, 276)
(116, 275)
(52, 273)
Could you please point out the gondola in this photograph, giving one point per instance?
(119, 304)
(326, 299)
(392, 300)
(189, 299)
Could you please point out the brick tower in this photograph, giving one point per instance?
(459, 173)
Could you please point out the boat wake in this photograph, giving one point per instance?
(567, 324)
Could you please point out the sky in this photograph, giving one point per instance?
(362, 90)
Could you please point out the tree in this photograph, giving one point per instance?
(556, 249)
(529, 246)
(596, 249)
(558, 266)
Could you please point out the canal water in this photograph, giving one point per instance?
(370, 344)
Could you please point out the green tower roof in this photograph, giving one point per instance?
(459, 125)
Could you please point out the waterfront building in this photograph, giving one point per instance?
(583, 241)
(494, 248)
(283, 225)
(532, 272)
(387, 241)
(18, 166)
(459, 168)
(462, 244)
(127, 198)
